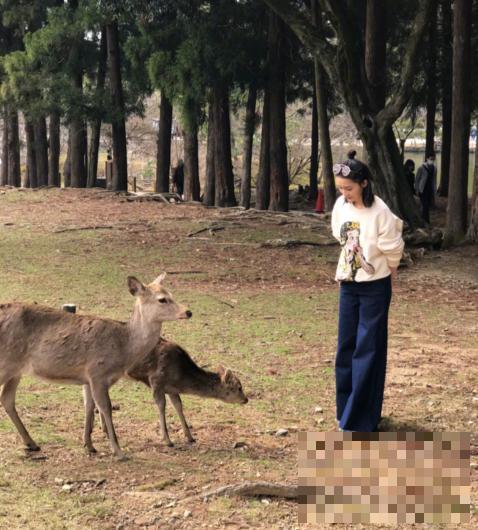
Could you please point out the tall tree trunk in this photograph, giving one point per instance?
(210, 184)
(375, 49)
(191, 162)
(54, 150)
(41, 150)
(13, 149)
(264, 176)
(93, 152)
(473, 228)
(279, 184)
(77, 154)
(431, 81)
(224, 182)
(78, 168)
(4, 166)
(384, 159)
(446, 89)
(163, 151)
(120, 162)
(456, 214)
(31, 180)
(328, 181)
(67, 163)
(314, 149)
(249, 128)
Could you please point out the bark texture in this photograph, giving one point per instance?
(279, 177)
(191, 163)
(264, 174)
(41, 150)
(446, 89)
(163, 150)
(224, 177)
(93, 151)
(249, 128)
(457, 208)
(54, 150)
(120, 162)
(209, 185)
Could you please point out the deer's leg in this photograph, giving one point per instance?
(102, 400)
(89, 418)
(7, 398)
(160, 399)
(103, 424)
(178, 405)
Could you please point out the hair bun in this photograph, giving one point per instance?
(351, 154)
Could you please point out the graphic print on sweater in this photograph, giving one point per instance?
(352, 257)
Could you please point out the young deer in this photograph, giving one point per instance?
(168, 369)
(79, 349)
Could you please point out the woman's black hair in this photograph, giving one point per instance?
(409, 163)
(359, 173)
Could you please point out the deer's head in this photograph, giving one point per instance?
(155, 301)
(231, 387)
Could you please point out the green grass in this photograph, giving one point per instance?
(48, 507)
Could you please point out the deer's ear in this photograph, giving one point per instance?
(226, 375)
(135, 286)
(159, 280)
(221, 371)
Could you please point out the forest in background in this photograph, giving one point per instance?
(82, 69)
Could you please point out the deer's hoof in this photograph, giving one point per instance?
(32, 447)
(122, 458)
(91, 450)
(169, 444)
(192, 440)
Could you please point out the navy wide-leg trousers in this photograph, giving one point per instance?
(362, 353)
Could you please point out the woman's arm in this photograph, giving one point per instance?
(390, 241)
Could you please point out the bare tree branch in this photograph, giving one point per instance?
(399, 101)
(301, 24)
(352, 46)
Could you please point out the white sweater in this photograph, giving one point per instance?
(371, 240)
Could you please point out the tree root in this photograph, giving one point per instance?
(251, 489)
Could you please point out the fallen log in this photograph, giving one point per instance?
(424, 237)
(289, 243)
(92, 227)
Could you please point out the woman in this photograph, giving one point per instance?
(372, 245)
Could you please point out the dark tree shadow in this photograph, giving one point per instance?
(388, 424)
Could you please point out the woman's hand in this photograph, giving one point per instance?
(394, 273)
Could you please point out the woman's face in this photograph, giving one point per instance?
(352, 191)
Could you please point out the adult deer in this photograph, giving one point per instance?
(80, 349)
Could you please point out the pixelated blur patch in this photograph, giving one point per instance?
(384, 478)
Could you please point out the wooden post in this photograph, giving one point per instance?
(109, 174)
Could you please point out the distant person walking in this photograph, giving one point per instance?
(426, 184)
(372, 245)
(178, 178)
(409, 170)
